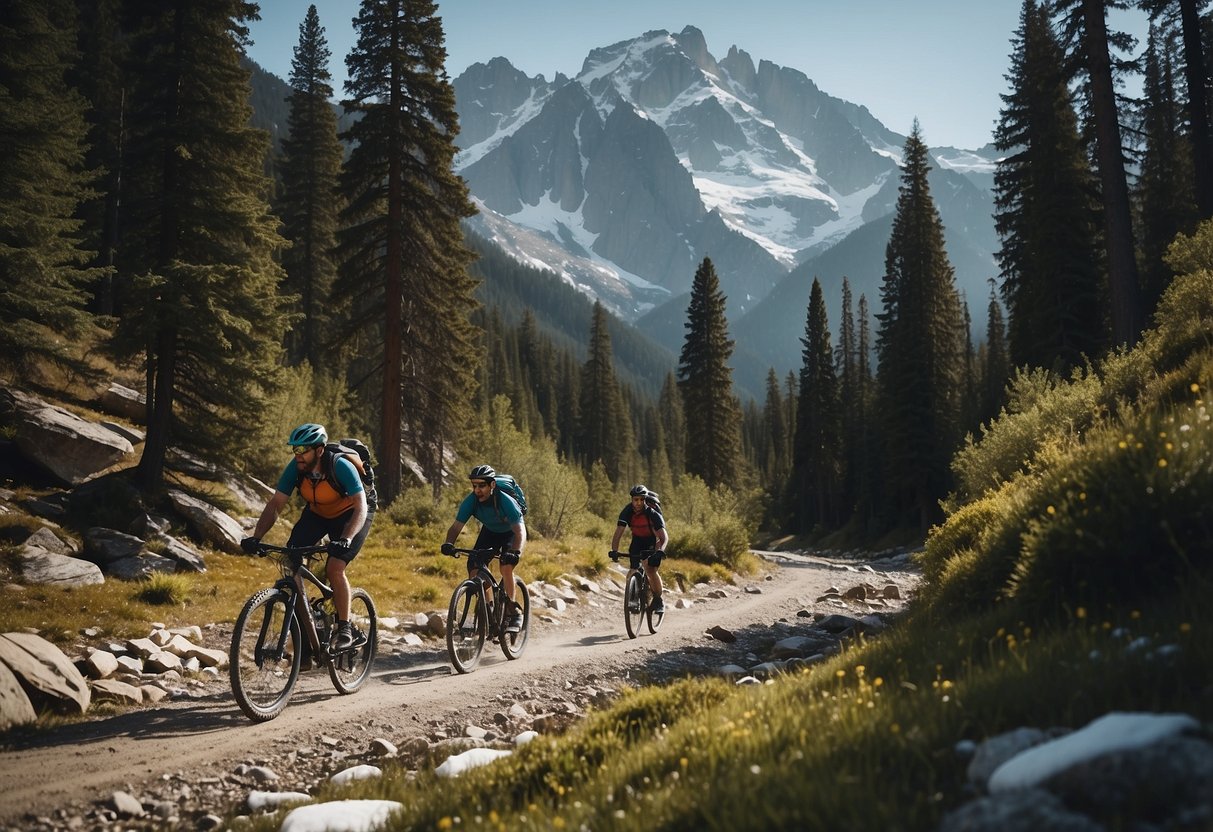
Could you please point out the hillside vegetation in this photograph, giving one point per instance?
(1080, 529)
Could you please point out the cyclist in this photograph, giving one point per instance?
(643, 516)
(338, 509)
(501, 529)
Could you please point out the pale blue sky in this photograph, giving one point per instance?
(942, 61)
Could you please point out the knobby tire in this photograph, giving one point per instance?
(466, 626)
(262, 677)
(350, 669)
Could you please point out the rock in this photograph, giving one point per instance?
(211, 524)
(721, 634)
(44, 668)
(41, 567)
(70, 448)
(123, 401)
(111, 690)
(15, 707)
(104, 546)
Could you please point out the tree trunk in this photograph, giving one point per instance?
(1118, 227)
(1198, 107)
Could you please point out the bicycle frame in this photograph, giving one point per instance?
(636, 589)
(480, 601)
(276, 627)
(292, 583)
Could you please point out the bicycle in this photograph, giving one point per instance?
(267, 642)
(637, 597)
(477, 613)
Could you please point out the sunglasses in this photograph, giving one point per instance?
(300, 450)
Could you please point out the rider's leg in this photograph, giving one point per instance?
(654, 579)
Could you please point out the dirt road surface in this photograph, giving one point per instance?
(184, 750)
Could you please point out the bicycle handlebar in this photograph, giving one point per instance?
(645, 555)
(264, 549)
(491, 553)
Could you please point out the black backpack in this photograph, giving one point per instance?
(360, 455)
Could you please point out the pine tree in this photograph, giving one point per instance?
(713, 416)
(43, 179)
(605, 432)
(1164, 196)
(849, 404)
(774, 459)
(99, 79)
(815, 456)
(1192, 27)
(1089, 45)
(199, 239)
(309, 203)
(403, 274)
(674, 425)
(997, 369)
(866, 455)
(919, 348)
(1046, 210)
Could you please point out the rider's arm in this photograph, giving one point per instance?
(270, 513)
(453, 531)
(358, 518)
(519, 536)
(617, 537)
(662, 540)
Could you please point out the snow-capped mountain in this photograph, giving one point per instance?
(657, 154)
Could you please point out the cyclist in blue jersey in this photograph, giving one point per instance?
(501, 529)
(335, 505)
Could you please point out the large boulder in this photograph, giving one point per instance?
(15, 707)
(44, 670)
(211, 524)
(70, 448)
(39, 566)
(123, 401)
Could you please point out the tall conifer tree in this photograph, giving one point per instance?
(674, 424)
(1089, 44)
(199, 241)
(997, 369)
(1046, 210)
(816, 445)
(1164, 196)
(713, 416)
(403, 274)
(920, 350)
(43, 179)
(605, 432)
(309, 205)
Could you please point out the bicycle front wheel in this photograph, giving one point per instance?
(263, 662)
(349, 669)
(654, 616)
(512, 644)
(634, 603)
(466, 626)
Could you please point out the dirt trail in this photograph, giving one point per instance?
(410, 689)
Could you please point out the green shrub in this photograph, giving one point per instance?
(1127, 518)
(163, 589)
(416, 507)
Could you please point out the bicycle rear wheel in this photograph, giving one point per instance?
(633, 603)
(262, 665)
(351, 668)
(512, 644)
(466, 626)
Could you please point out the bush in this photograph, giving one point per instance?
(162, 589)
(416, 507)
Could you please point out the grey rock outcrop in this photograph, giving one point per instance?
(68, 447)
(214, 526)
(45, 672)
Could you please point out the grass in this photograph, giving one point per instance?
(1070, 580)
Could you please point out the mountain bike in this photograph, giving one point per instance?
(638, 596)
(478, 613)
(268, 640)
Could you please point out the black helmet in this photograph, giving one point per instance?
(482, 472)
(309, 434)
(639, 491)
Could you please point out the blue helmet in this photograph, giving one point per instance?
(309, 434)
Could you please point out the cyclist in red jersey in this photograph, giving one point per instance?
(643, 516)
